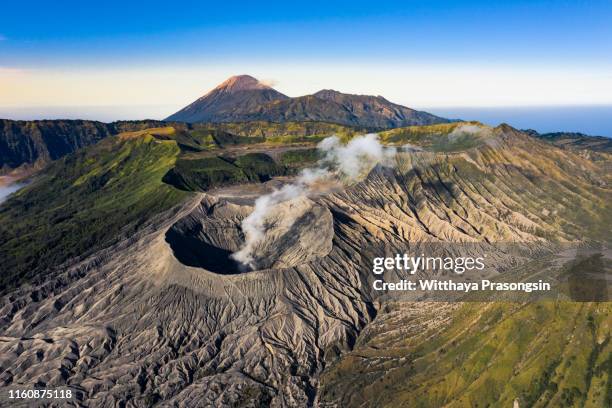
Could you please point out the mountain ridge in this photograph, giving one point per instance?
(30, 145)
(243, 98)
(574, 140)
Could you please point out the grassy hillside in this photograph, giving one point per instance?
(210, 172)
(444, 137)
(83, 202)
(287, 129)
(545, 354)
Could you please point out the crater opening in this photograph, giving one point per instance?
(191, 251)
(207, 236)
(295, 232)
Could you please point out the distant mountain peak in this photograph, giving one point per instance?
(229, 100)
(243, 98)
(241, 83)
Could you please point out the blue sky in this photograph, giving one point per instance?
(150, 58)
(92, 33)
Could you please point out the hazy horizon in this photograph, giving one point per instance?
(591, 120)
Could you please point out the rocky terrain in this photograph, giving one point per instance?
(243, 98)
(160, 317)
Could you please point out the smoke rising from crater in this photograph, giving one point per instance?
(359, 155)
(343, 163)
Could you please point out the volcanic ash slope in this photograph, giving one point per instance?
(135, 323)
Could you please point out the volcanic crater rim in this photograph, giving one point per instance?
(298, 231)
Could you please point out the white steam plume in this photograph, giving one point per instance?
(340, 162)
(360, 154)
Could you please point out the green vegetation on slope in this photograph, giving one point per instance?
(545, 354)
(210, 172)
(287, 130)
(194, 138)
(83, 202)
(300, 158)
(258, 166)
(445, 137)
